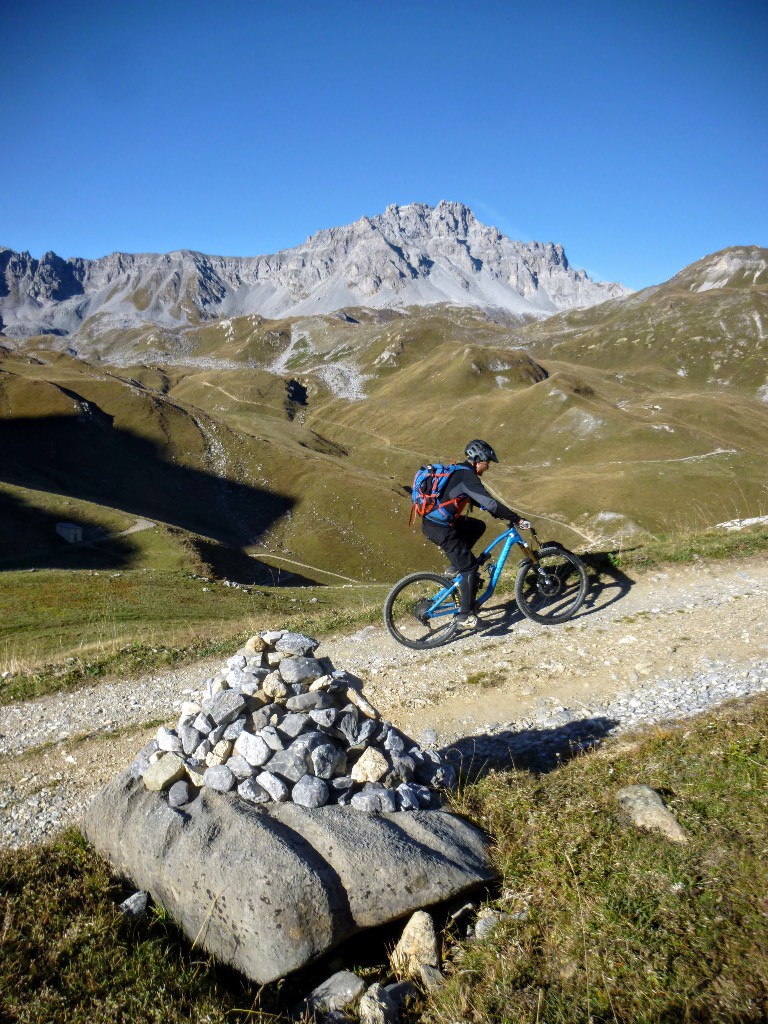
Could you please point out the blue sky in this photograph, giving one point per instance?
(635, 135)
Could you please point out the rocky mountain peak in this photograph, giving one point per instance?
(410, 255)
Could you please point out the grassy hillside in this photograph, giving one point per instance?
(292, 443)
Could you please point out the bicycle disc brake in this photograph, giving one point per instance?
(421, 610)
(548, 585)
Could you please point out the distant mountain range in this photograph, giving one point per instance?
(413, 255)
(292, 442)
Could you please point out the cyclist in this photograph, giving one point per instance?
(456, 534)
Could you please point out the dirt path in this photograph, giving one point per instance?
(632, 633)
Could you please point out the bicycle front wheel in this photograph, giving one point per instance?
(415, 614)
(554, 590)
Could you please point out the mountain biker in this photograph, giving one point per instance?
(456, 534)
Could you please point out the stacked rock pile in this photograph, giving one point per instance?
(278, 724)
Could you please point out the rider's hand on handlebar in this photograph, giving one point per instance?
(521, 524)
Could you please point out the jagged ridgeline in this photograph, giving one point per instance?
(291, 440)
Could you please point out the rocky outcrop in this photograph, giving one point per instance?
(409, 255)
(281, 814)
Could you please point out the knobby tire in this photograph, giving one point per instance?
(405, 607)
(555, 594)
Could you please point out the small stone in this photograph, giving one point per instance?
(135, 907)
(271, 637)
(293, 724)
(275, 687)
(168, 740)
(196, 772)
(276, 788)
(326, 758)
(347, 726)
(323, 683)
(225, 707)
(356, 698)
(296, 644)
(407, 798)
(190, 739)
(203, 723)
(220, 778)
(309, 701)
(178, 794)
(216, 734)
(142, 760)
(272, 737)
(190, 709)
(488, 920)
(403, 770)
(378, 1007)
(254, 749)
(418, 946)
(430, 977)
(234, 729)
(252, 688)
(251, 791)
(375, 800)
(401, 993)
(273, 658)
(394, 742)
(310, 791)
(237, 661)
(164, 772)
(220, 753)
(324, 717)
(202, 750)
(367, 730)
(342, 991)
(647, 810)
(300, 670)
(254, 645)
(371, 767)
(290, 764)
(239, 767)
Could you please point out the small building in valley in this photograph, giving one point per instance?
(70, 532)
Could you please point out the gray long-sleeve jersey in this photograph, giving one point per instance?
(465, 482)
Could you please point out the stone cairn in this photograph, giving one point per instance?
(277, 724)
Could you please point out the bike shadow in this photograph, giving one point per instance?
(537, 749)
(607, 585)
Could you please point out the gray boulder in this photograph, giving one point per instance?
(269, 889)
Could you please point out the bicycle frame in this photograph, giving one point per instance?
(507, 539)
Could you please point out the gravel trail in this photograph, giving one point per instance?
(660, 646)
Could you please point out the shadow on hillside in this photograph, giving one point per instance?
(28, 540)
(87, 458)
(537, 750)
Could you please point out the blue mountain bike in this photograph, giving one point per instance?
(550, 587)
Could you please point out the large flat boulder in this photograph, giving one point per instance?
(270, 888)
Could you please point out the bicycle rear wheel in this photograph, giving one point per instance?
(412, 615)
(554, 590)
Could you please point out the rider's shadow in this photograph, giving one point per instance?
(607, 584)
(537, 750)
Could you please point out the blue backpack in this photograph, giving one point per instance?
(428, 485)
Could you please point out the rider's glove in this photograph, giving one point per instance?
(521, 524)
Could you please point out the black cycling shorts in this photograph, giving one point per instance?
(456, 539)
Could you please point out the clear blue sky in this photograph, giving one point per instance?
(635, 134)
